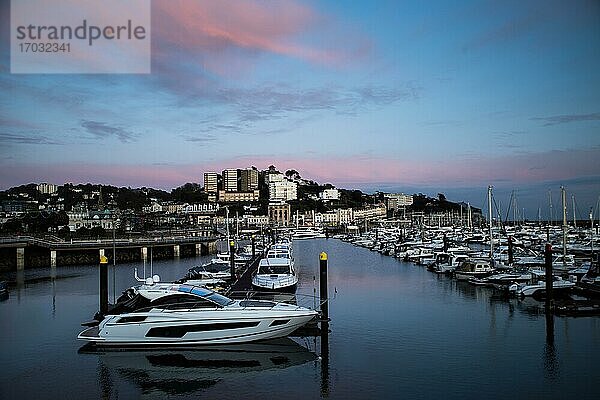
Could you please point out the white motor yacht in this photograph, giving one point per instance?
(275, 274)
(276, 271)
(539, 288)
(473, 268)
(307, 233)
(171, 314)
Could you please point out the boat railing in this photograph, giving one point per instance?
(282, 280)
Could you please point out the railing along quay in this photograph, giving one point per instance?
(103, 243)
(52, 251)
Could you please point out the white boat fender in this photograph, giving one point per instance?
(155, 278)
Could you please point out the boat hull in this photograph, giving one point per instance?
(168, 330)
(281, 289)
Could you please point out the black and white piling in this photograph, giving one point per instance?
(232, 259)
(323, 291)
(103, 285)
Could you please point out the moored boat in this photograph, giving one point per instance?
(275, 274)
(179, 314)
(473, 268)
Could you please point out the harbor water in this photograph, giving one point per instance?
(396, 331)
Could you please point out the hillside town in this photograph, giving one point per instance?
(245, 198)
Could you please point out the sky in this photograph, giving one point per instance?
(411, 96)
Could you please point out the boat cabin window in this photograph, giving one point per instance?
(274, 269)
(443, 258)
(182, 301)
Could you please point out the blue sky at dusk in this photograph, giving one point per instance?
(398, 95)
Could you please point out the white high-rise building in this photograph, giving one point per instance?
(248, 180)
(330, 194)
(283, 190)
(274, 177)
(47, 188)
(210, 182)
(230, 180)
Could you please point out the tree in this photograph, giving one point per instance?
(83, 232)
(189, 193)
(13, 225)
(64, 232)
(98, 231)
(292, 174)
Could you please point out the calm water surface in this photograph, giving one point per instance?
(397, 331)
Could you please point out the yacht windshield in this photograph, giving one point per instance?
(274, 269)
(207, 294)
(219, 299)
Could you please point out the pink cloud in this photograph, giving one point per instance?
(348, 172)
(216, 31)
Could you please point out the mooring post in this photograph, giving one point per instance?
(52, 258)
(323, 286)
(549, 278)
(232, 258)
(253, 246)
(510, 251)
(20, 258)
(103, 285)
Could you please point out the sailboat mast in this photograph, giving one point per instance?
(490, 224)
(470, 217)
(574, 218)
(592, 232)
(551, 216)
(564, 227)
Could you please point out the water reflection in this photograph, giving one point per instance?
(325, 359)
(184, 371)
(550, 358)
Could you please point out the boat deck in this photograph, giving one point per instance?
(92, 332)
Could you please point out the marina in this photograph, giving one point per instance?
(396, 330)
(300, 200)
